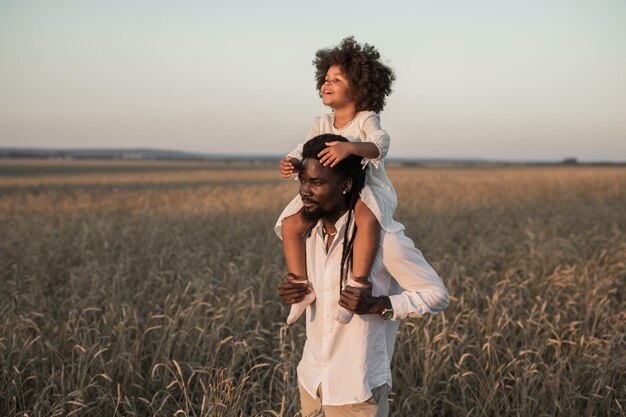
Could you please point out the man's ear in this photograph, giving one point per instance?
(347, 186)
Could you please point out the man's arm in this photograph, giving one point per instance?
(424, 292)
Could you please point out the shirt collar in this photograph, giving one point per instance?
(340, 224)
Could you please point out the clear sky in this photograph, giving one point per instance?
(514, 80)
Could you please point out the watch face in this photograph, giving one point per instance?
(387, 314)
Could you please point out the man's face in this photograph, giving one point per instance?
(322, 190)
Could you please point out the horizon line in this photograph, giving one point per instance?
(6, 150)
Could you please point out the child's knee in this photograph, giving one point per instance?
(293, 225)
(364, 217)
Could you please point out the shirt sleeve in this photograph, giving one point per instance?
(314, 131)
(423, 291)
(376, 135)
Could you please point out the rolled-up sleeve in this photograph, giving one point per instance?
(423, 290)
(376, 135)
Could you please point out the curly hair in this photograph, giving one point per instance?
(370, 80)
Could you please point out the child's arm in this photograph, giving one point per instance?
(337, 151)
(374, 148)
(292, 162)
(375, 135)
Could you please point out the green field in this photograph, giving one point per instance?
(148, 288)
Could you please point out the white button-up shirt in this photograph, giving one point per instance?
(349, 360)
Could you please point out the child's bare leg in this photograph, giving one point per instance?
(364, 252)
(293, 229)
(366, 240)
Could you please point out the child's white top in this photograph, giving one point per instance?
(378, 194)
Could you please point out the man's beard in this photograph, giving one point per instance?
(314, 215)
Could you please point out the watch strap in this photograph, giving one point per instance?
(387, 312)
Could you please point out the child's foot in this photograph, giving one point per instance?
(298, 308)
(342, 315)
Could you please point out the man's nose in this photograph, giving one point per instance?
(305, 189)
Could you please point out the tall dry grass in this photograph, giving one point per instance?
(153, 293)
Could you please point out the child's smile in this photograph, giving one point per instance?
(335, 91)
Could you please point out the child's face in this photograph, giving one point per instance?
(335, 91)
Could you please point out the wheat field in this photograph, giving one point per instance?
(148, 289)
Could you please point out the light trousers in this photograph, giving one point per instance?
(376, 406)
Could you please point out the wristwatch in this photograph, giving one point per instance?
(387, 312)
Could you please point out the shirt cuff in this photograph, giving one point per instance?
(418, 304)
(400, 306)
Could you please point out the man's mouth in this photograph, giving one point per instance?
(307, 202)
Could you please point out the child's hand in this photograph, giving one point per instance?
(335, 152)
(289, 166)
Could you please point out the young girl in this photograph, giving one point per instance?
(354, 83)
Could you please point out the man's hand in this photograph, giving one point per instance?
(290, 291)
(360, 300)
(289, 166)
(335, 152)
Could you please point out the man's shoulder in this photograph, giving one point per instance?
(396, 242)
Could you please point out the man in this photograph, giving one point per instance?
(345, 368)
